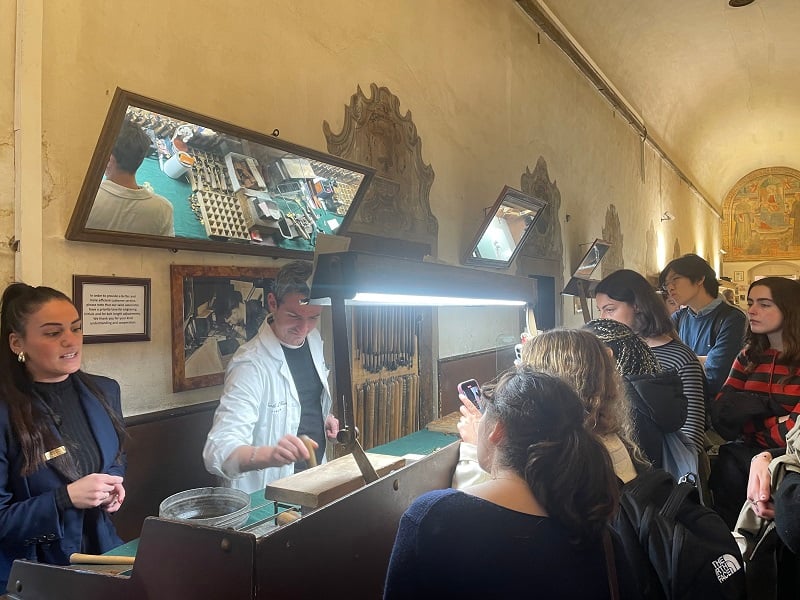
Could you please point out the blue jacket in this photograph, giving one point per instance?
(716, 332)
(31, 526)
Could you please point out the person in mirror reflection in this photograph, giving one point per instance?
(711, 327)
(61, 434)
(583, 361)
(729, 296)
(276, 389)
(542, 514)
(760, 401)
(121, 204)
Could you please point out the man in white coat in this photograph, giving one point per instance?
(276, 389)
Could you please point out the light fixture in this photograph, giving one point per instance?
(723, 251)
(667, 216)
(358, 278)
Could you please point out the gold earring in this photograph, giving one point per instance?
(21, 357)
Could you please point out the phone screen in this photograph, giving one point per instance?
(471, 390)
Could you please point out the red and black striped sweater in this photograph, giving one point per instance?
(778, 382)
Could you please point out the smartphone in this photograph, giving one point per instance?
(471, 390)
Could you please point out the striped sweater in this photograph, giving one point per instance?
(780, 382)
(677, 355)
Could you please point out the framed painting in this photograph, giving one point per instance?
(214, 311)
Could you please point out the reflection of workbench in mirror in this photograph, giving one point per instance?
(346, 543)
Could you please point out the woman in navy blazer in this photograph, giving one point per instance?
(61, 432)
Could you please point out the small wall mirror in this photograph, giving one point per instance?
(504, 230)
(166, 177)
(581, 280)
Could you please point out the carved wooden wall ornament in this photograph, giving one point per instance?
(545, 241)
(395, 207)
(374, 133)
(612, 232)
(651, 251)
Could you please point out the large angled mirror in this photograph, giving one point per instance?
(504, 230)
(166, 177)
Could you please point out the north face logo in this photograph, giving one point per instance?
(725, 566)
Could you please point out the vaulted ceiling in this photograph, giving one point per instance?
(717, 87)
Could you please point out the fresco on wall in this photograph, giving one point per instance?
(651, 254)
(612, 232)
(761, 216)
(545, 240)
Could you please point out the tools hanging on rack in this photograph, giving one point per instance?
(385, 337)
(387, 409)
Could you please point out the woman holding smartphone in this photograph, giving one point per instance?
(586, 364)
(532, 442)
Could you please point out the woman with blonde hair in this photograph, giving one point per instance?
(583, 361)
(587, 365)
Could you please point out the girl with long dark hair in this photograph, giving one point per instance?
(760, 401)
(543, 513)
(61, 432)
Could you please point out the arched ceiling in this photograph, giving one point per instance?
(717, 87)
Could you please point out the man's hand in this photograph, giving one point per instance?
(331, 427)
(759, 481)
(468, 423)
(288, 450)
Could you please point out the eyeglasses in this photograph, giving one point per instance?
(668, 283)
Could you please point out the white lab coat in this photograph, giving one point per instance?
(259, 405)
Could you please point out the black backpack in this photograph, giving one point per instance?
(677, 548)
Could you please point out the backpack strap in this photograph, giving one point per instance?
(676, 497)
(611, 566)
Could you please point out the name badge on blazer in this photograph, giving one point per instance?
(54, 453)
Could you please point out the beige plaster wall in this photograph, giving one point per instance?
(486, 97)
(7, 28)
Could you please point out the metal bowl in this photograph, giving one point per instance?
(212, 506)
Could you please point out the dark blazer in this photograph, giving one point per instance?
(31, 526)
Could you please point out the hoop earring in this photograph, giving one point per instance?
(21, 357)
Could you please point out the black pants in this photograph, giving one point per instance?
(728, 480)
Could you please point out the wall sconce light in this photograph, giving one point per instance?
(723, 251)
(667, 216)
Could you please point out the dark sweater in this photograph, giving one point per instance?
(454, 545)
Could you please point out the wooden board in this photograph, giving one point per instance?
(447, 424)
(325, 483)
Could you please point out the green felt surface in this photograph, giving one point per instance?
(178, 192)
(187, 225)
(420, 442)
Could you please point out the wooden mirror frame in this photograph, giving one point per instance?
(122, 100)
(515, 200)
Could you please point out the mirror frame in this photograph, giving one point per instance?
(77, 230)
(597, 250)
(516, 197)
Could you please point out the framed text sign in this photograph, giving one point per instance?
(113, 309)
